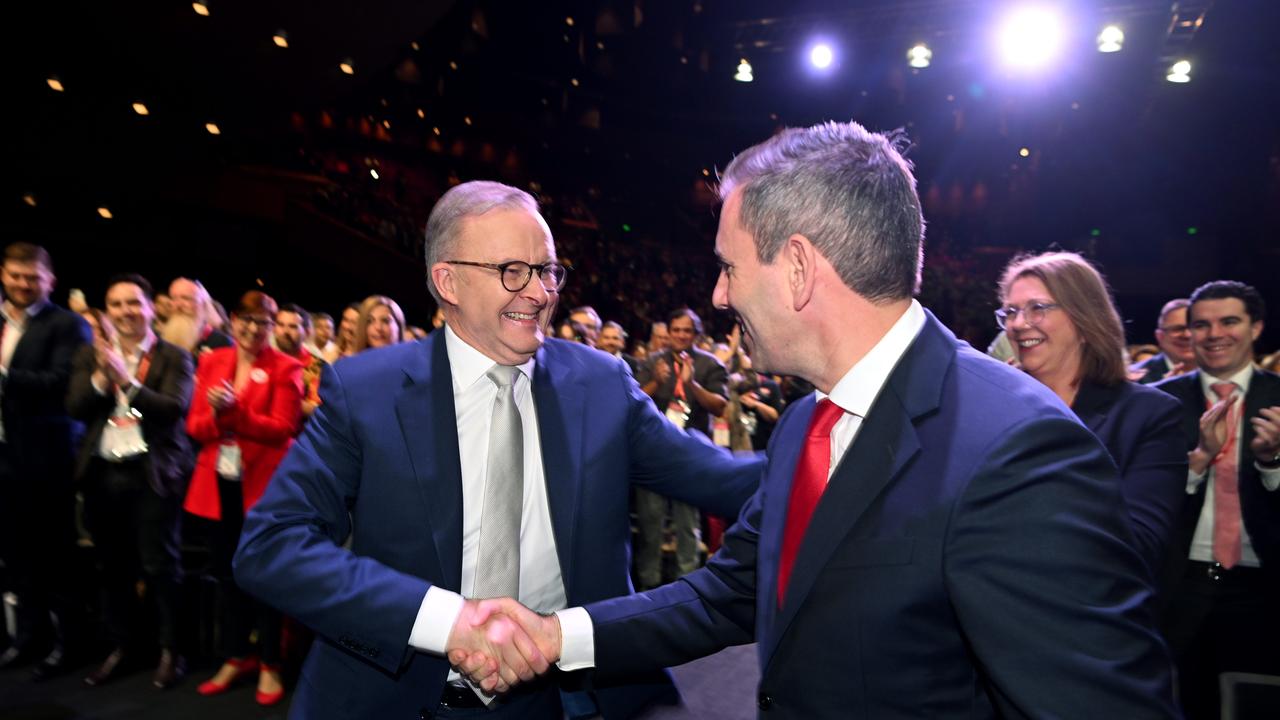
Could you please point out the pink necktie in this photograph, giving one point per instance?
(807, 486)
(1226, 490)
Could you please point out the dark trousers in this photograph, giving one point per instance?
(137, 537)
(37, 547)
(1221, 621)
(238, 614)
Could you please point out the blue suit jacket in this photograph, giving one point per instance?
(969, 559)
(379, 461)
(1142, 429)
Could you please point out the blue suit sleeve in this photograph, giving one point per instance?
(290, 553)
(1046, 584)
(1153, 480)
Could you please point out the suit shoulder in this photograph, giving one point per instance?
(1179, 385)
(997, 385)
(579, 357)
(376, 366)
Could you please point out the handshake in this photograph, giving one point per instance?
(499, 643)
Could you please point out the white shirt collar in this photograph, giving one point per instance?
(32, 310)
(1241, 380)
(467, 364)
(859, 387)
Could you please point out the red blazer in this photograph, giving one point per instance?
(266, 416)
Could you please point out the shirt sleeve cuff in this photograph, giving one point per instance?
(577, 640)
(436, 617)
(1194, 480)
(1270, 477)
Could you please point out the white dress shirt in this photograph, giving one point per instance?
(1202, 541)
(541, 584)
(854, 393)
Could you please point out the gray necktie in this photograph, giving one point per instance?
(498, 560)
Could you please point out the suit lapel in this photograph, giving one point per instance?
(560, 403)
(428, 423)
(885, 443)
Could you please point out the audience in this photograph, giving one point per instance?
(1173, 338)
(379, 323)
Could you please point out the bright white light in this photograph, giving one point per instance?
(744, 72)
(821, 56)
(1111, 39)
(373, 173)
(1030, 37)
(1180, 72)
(919, 56)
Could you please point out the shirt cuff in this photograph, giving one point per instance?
(436, 617)
(1270, 477)
(1194, 480)
(577, 640)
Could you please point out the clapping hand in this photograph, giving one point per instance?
(498, 644)
(221, 396)
(1266, 434)
(110, 363)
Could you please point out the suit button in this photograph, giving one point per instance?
(764, 701)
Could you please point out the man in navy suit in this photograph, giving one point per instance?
(1173, 336)
(397, 460)
(1223, 575)
(38, 341)
(936, 535)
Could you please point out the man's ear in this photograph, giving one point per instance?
(445, 281)
(801, 264)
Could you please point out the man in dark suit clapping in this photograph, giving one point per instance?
(132, 392)
(37, 439)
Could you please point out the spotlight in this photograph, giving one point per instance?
(141, 109)
(201, 7)
(29, 199)
(744, 72)
(1030, 38)
(919, 56)
(373, 174)
(348, 67)
(281, 39)
(1179, 72)
(1024, 152)
(55, 84)
(212, 128)
(104, 213)
(821, 56)
(1111, 39)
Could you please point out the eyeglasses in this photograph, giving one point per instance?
(1175, 329)
(516, 274)
(260, 322)
(1032, 314)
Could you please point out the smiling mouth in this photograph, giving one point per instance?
(1030, 342)
(519, 316)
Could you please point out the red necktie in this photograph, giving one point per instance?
(1226, 490)
(807, 487)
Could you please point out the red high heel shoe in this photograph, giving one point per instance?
(267, 699)
(243, 668)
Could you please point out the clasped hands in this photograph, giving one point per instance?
(499, 643)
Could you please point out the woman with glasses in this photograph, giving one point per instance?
(245, 411)
(381, 323)
(1066, 333)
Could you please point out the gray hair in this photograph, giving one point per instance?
(467, 200)
(848, 190)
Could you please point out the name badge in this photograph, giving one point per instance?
(678, 413)
(229, 463)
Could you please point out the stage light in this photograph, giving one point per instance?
(1025, 152)
(213, 128)
(919, 56)
(1179, 72)
(104, 213)
(373, 173)
(55, 84)
(29, 199)
(1193, 230)
(821, 56)
(1111, 39)
(201, 7)
(281, 39)
(574, 82)
(435, 130)
(744, 72)
(568, 21)
(1030, 37)
(421, 114)
(347, 67)
(453, 64)
(141, 109)
(466, 120)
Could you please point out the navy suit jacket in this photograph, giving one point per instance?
(1259, 509)
(968, 559)
(1155, 369)
(379, 461)
(1142, 429)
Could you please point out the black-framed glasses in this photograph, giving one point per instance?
(517, 273)
(1175, 329)
(1032, 314)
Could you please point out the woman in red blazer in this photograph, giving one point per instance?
(245, 411)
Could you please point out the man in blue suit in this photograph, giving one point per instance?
(411, 457)
(936, 535)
